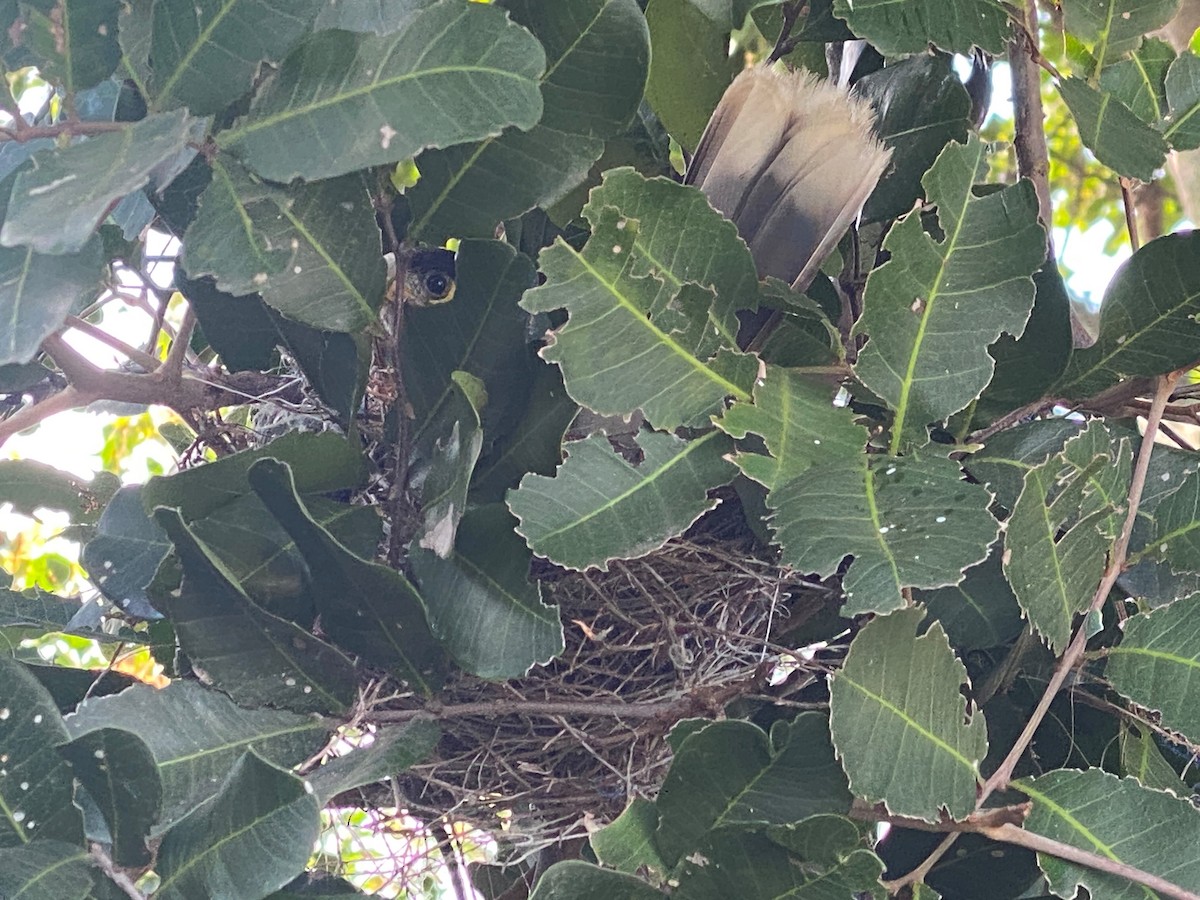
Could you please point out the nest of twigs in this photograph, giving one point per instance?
(680, 633)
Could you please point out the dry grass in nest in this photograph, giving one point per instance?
(678, 633)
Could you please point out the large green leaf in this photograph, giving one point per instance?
(732, 775)
(1112, 131)
(366, 607)
(47, 870)
(37, 291)
(379, 16)
(36, 789)
(627, 842)
(257, 658)
(55, 207)
(1116, 818)
(638, 334)
(910, 26)
(312, 251)
(198, 735)
(30, 485)
(74, 41)
(798, 423)
(1156, 661)
(1176, 536)
(932, 310)
(690, 67)
(206, 54)
(911, 522)
(1112, 28)
(1148, 320)
(481, 332)
(1140, 81)
(481, 604)
(452, 73)
(576, 880)
(120, 774)
(125, 552)
(319, 462)
(599, 507)
(1005, 459)
(597, 55)
(896, 707)
(391, 751)
(981, 612)
(1057, 538)
(1181, 125)
(1141, 758)
(921, 106)
(252, 838)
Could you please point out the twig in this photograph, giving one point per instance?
(783, 44)
(1029, 140)
(172, 368)
(545, 709)
(1131, 224)
(1011, 834)
(1011, 418)
(73, 128)
(143, 359)
(118, 877)
(977, 821)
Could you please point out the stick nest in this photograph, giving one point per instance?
(679, 633)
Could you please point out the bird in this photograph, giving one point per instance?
(429, 276)
(790, 159)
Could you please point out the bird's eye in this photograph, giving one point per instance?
(437, 284)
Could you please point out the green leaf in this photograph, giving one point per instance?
(896, 707)
(368, 608)
(1109, 128)
(319, 462)
(120, 774)
(981, 612)
(920, 106)
(126, 552)
(1181, 124)
(932, 310)
(911, 26)
(379, 16)
(198, 735)
(35, 794)
(690, 68)
(760, 867)
(597, 56)
(483, 609)
(575, 880)
(257, 658)
(798, 423)
(37, 609)
(444, 468)
(206, 54)
(732, 775)
(47, 870)
(452, 73)
(55, 207)
(134, 32)
(219, 850)
(634, 339)
(1113, 28)
(392, 750)
(1057, 539)
(1155, 662)
(1140, 81)
(708, 253)
(1116, 818)
(1003, 462)
(481, 332)
(627, 843)
(1141, 759)
(908, 523)
(30, 485)
(37, 291)
(1148, 318)
(312, 251)
(598, 507)
(74, 41)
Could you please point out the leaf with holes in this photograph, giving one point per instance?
(896, 29)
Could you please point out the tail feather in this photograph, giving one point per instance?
(790, 160)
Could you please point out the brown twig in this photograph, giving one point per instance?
(1011, 834)
(116, 875)
(784, 44)
(1029, 140)
(133, 354)
(25, 132)
(172, 369)
(1131, 225)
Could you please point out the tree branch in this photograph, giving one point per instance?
(1029, 141)
(133, 354)
(1011, 834)
(72, 128)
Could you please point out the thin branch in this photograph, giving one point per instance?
(23, 419)
(72, 128)
(172, 368)
(117, 876)
(133, 354)
(665, 710)
(1131, 224)
(1011, 418)
(1011, 834)
(78, 369)
(1029, 140)
(784, 44)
